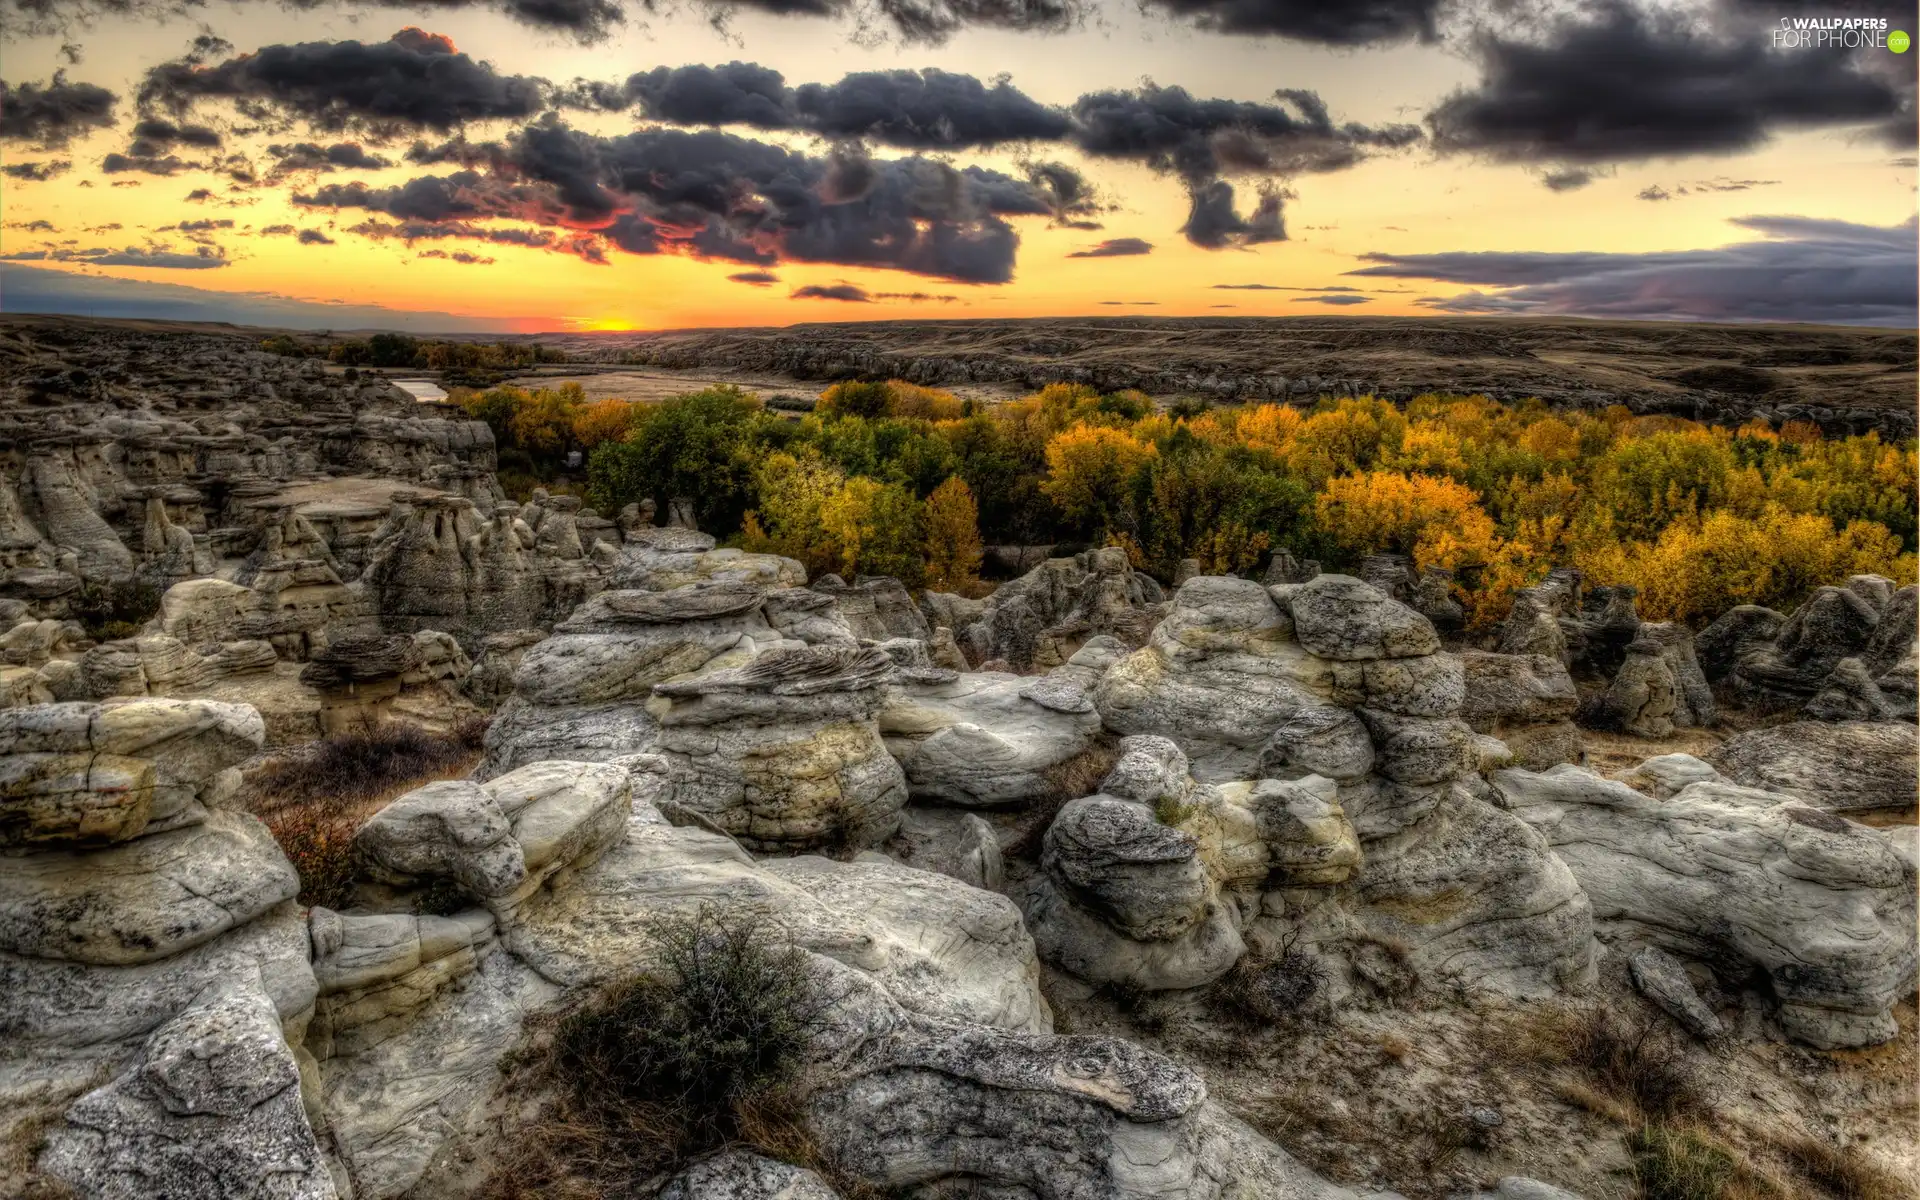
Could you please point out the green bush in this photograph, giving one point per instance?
(727, 1018)
(703, 1050)
(116, 608)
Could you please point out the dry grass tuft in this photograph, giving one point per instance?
(1271, 985)
(1639, 1063)
(315, 798)
(1841, 1172)
(1069, 780)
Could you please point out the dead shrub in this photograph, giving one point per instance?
(1067, 780)
(703, 1051)
(1271, 985)
(315, 798)
(365, 764)
(1639, 1062)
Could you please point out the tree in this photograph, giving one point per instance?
(874, 529)
(603, 421)
(1093, 474)
(953, 537)
(701, 445)
(542, 422)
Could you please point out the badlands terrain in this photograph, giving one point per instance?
(1843, 378)
(367, 833)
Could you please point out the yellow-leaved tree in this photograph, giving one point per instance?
(1440, 523)
(953, 537)
(1093, 474)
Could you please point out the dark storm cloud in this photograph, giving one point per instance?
(52, 114)
(309, 156)
(314, 237)
(1338, 300)
(132, 256)
(715, 195)
(1170, 130)
(1213, 223)
(36, 172)
(586, 20)
(33, 226)
(1115, 248)
(413, 80)
(927, 110)
(931, 22)
(1571, 179)
(1202, 141)
(278, 231)
(160, 135)
(1801, 269)
(755, 278)
(1354, 23)
(460, 196)
(840, 291)
(1653, 192)
(914, 110)
(145, 164)
(735, 93)
(1621, 84)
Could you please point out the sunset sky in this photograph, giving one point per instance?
(576, 164)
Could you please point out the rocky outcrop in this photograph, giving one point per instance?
(364, 681)
(1642, 699)
(661, 558)
(148, 939)
(949, 842)
(783, 751)
(445, 567)
(1042, 618)
(1784, 674)
(988, 739)
(1330, 693)
(582, 693)
(1220, 675)
(1525, 700)
(936, 1008)
(1743, 880)
(875, 608)
(1839, 767)
(1723, 643)
(211, 1108)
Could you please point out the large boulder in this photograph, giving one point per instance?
(1341, 618)
(1527, 701)
(987, 739)
(1721, 645)
(1643, 697)
(1742, 880)
(211, 1110)
(1043, 617)
(1834, 624)
(1844, 767)
(783, 752)
(1219, 676)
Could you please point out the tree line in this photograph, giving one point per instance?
(890, 478)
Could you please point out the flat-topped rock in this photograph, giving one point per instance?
(146, 899)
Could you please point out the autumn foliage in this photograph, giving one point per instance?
(893, 478)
